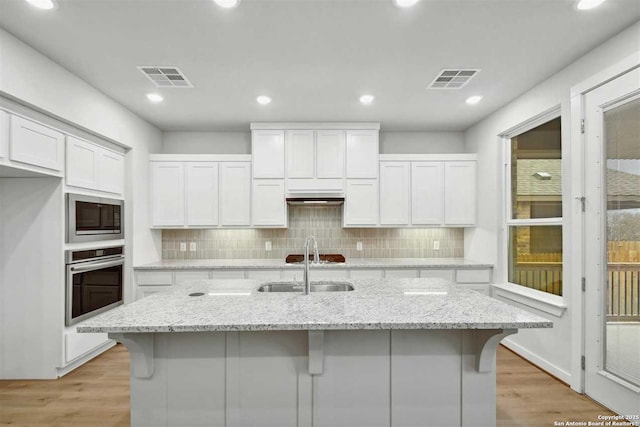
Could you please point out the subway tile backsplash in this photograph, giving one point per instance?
(325, 223)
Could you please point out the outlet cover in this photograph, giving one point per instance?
(192, 246)
(267, 246)
(358, 246)
(183, 246)
(436, 245)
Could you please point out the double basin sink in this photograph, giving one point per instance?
(319, 286)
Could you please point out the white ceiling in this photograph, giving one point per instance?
(315, 57)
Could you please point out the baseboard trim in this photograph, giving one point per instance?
(84, 359)
(538, 361)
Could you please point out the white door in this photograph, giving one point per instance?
(235, 193)
(427, 193)
(167, 194)
(202, 193)
(110, 171)
(460, 193)
(269, 200)
(36, 144)
(300, 154)
(394, 193)
(330, 154)
(267, 149)
(612, 239)
(82, 164)
(361, 203)
(362, 153)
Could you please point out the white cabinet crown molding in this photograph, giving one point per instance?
(200, 157)
(315, 126)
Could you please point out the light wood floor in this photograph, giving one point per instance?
(97, 395)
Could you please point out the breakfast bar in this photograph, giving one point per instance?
(390, 352)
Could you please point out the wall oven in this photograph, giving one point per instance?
(94, 218)
(95, 282)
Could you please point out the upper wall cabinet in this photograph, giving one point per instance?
(35, 144)
(460, 189)
(427, 192)
(362, 153)
(268, 153)
(315, 160)
(93, 167)
(4, 134)
(395, 188)
(200, 191)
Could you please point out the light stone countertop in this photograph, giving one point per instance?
(207, 264)
(374, 304)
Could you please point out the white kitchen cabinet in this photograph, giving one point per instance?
(4, 134)
(34, 144)
(264, 275)
(401, 273)
(167, 194)
(427, 188)
(227, 274)
(365, 273)
(395, 185)
(110, 171)
(460, 193)
(82, 164)
(317, 274)
(183, 277)
(268, 198)
(300, 153)
(268, 153)
(235, 194)
(362, 153)
(438, 273)
(202, 194)
(330, 153)
(361, 203)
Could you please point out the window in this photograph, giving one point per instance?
(534, 208)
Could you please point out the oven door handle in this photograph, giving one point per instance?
(91, 267)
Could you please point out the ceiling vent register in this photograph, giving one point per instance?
(166, 76)
(452, 79)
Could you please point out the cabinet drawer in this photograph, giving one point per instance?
(405, 273)
(324, 274)
(227, 274)
(183, 277)
(437, 273)
(154, 278)
(367, 273)
(75, 344)
(263, 275)
(473, 276)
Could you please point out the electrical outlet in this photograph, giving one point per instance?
(192, 246)
(183, 246)
(358, 246)
(267, 246)
(436, 245)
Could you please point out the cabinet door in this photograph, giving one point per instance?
(460, 193)
(394, 193)
(269, 200)
(427, 193)
(361, 203)
(235, 193)
(268, 153)
(202, 193)
(36, 145)
(300, 154)
(330, 152)
(82, 164)
(4, 134)
(167, 182)
(362, 153)
(110, 171)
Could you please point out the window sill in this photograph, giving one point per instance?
(542, 301)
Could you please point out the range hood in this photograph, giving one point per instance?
(315, 199)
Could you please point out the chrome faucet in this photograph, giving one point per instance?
(316, 259)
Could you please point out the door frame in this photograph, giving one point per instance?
(578, 158)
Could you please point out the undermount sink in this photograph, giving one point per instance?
(324, 286)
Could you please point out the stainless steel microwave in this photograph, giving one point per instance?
(94, 218)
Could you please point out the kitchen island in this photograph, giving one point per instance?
(392, 352)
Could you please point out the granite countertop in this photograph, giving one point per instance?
(236, 305)
(207, 264)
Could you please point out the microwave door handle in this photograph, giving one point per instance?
(80, 269)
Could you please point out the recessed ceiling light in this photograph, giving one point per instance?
(227, 4)
(263, 100)
(43, 4)
(405, 3)
(473, 100)
(367, 99)
(155, 97)
(589, 4)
